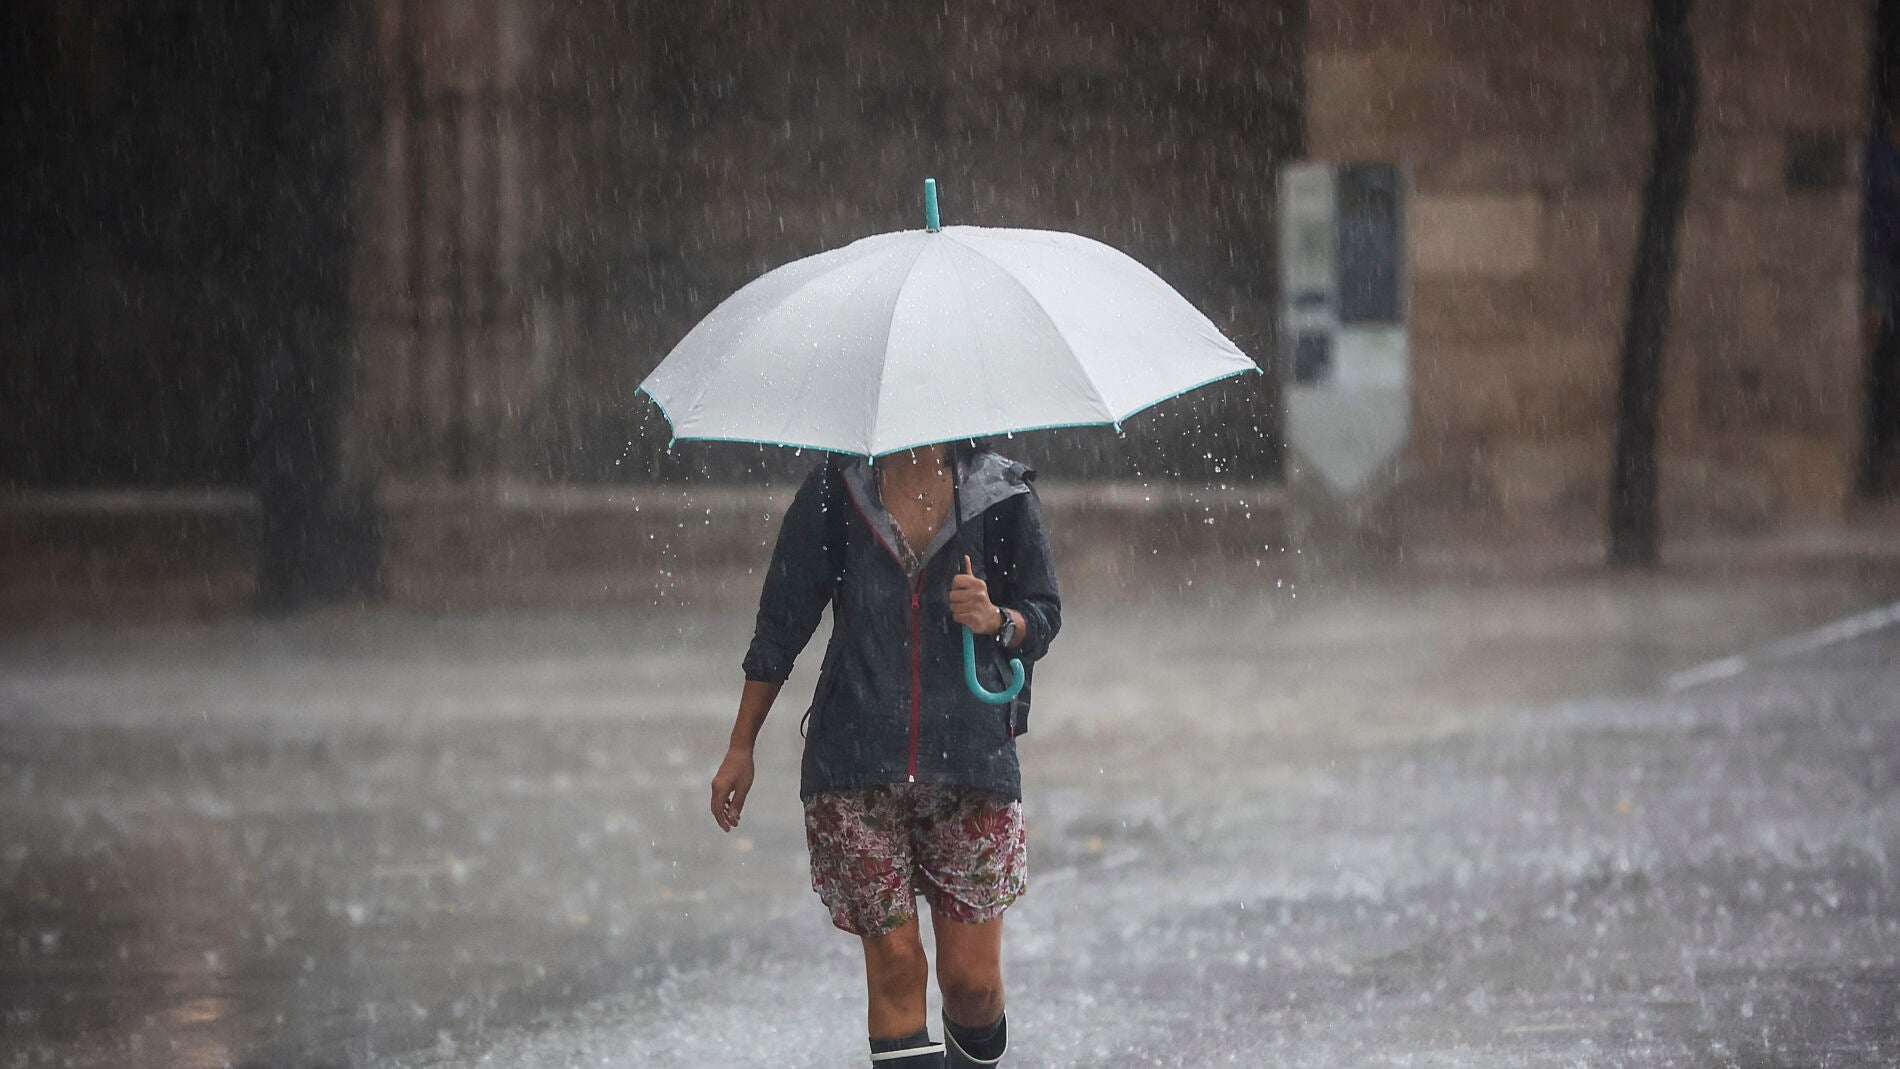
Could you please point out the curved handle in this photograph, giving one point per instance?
(969, 674)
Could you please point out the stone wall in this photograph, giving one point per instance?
(1526, 130)
(567, 187)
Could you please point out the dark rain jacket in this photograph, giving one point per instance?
(891, 704)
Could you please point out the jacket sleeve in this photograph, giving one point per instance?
(798, 583)
(1031, 575)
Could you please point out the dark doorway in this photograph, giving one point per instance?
(168, 198)
(1880, 252)
(126, 255)
(176, 261)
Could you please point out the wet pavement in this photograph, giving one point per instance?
(1314, 823)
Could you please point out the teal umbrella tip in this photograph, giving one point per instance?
(930, 206)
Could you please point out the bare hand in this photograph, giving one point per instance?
(730, 785)
(970, 603)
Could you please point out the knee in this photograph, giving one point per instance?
(971, 996)
(898, 971)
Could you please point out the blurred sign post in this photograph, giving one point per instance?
(1346, 363)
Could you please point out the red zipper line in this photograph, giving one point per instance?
(916, 669)
(916, 635)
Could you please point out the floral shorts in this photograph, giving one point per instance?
(873, 851)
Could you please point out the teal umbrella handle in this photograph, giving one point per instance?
(969, 674)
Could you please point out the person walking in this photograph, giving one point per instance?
(910, 782)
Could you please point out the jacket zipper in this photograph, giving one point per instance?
(916, 669)
(916, 638)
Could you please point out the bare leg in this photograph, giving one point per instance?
(970, 970)
(895, 974)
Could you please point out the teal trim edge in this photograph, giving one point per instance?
(740, 441)
(1254, 368)
(1104, 422)
(987, 696)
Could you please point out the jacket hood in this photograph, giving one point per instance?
(984, 480)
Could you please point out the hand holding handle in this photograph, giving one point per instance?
(969, 664)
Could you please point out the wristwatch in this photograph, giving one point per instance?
(1007, 633)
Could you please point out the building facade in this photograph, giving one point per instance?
(1525, 128)
(551, 194)
(562, 190)
(565, 190)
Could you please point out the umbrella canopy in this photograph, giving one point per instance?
(936, 335)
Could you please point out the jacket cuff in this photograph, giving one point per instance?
(757, 671)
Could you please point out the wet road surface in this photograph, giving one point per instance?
(1318, 826)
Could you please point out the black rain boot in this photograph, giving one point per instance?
(973, 1048)
(907, 1052)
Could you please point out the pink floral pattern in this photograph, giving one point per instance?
(873, 851)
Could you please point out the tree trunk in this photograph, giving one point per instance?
(1633, 506)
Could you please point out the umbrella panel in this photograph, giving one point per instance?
(916, 337)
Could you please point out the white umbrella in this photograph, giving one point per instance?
(936, 335)
(939, 335)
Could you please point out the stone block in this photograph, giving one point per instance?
(1697, 493)
(1465, 310)
(1816, 236)
(1574, 93)
(1340, 93)
(1589, 302)
(1775, 65)
(462, 46)
(1553, 488)
(1754, 482)
(1582, 286)
(1704, 320)
(1591, 230)
(382, 351)
(1567, 385)
(1537, 388)
(563, 44)
(1351, 96)
(1042, 41)
(1580, 92)
(1559, 487)
(1603, 162)
(1444, 488)
(1813, 476)
(1771, 358)
(1363, 25)
(1466, 392)
(1753, 164)
(1475, 25)
(1584, 306)
(1506, 163)
(1555, 162)
(1479, 235)
(1540, 490)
